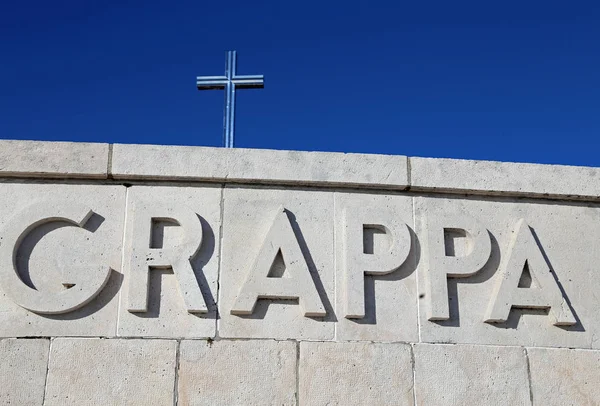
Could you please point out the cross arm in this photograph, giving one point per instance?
(211, 82)
(249, 81)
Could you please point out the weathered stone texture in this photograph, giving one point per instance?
(53, 249)
(237, 373)
(347, 374)
(390, 300)
(334, 284)
(564, 377)
(111, 372)
(507, 178)
(23, 366)
(167, 315)
(248, 215)
(53, 159)
(564, 234)
(470, 375)
(259, 166)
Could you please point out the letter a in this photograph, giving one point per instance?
(298, 285)
(523, 250)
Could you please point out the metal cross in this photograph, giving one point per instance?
(230, 82)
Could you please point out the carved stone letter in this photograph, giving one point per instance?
(297, 284)
(141, 258)
(439, 266)
(545, 293)
(81, 287)
(358, 263)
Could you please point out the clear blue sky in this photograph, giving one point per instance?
(510, 81)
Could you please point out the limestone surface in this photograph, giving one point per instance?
(168, 287)
(248, 215)
(558, 241)
(53, 159)
(111, 372)
(240, 372)
(507, 178)
(57, 258)
(23, 365)
(348, 374)
(156, 275)
(259, 166)
(380, 249)
(564, 377)
(470, 375)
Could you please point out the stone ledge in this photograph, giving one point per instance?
(259, 166)
(41, 159)
(506, 178)
(74, 160)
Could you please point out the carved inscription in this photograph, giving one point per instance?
(295, 284)
(441, 260)
(80, 287)
(142, 258)
(440, 266)
(544, 293)
(357, 263)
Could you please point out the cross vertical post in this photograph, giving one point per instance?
(230, 82)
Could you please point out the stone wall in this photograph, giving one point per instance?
(152, 275)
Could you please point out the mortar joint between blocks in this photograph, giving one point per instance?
(220, 262)
(176, 380)
(298, 373)
(414, 374)
(529, 383)
(47, 371)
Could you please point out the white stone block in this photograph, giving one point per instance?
(111, 372)
(375, 247)
(60, 262)
(258, 166)
(355, 374)
(43, 159)
(554, 238)
(490, 177)
(23, 366)
(470, 375)
(177, 284)
(248, 215)
(256, 372)
(564, 376)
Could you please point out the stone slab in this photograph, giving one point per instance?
(256, 372)
(258, 166)
(564, 376)
(167, 315)
(355, 374)
(566, 234)
(470, 375)
(111, 372)
(52, 249)
(43, 159)
(507, 178)
(248, 214)
(390, 299)
(23, 366)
